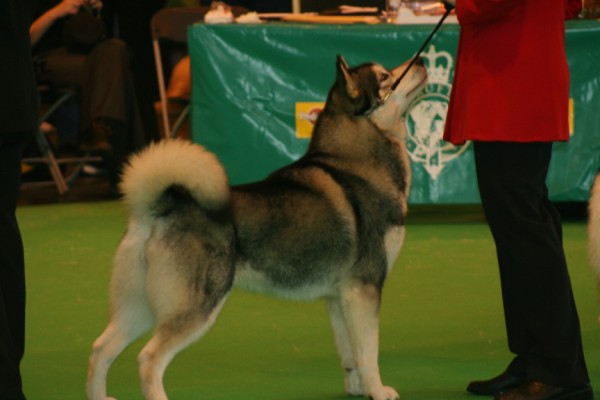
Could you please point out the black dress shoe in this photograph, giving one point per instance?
(533, 390)
(495, 386)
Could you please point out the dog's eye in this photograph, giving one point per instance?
(384, 77)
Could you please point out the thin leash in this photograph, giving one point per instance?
(449, 8)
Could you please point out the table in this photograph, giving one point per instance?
(256, 87)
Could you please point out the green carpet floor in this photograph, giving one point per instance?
(441, 322)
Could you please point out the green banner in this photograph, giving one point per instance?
(256, 89)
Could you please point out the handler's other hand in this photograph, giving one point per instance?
(449, 4)
(66, 7)
(95, 4)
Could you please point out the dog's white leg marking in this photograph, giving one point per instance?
(594, 230)
(130, 312)
(598, 285)
(115, 338)
(172, 336)
(360, 306)
(352, 382)
(394, 239)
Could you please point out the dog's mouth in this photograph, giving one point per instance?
(404, 72)
(418, 87)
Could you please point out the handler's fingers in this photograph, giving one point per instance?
(96, 4)
(449, 4)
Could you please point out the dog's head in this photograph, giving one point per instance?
(357, 91)
(388, 116)
(360, 91)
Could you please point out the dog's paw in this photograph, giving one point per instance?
(385, 393)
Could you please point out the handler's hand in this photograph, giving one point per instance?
(449, 4)
(95, 4)
(66, 7)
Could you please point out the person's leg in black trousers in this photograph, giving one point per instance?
(541, 318)
(12, 269)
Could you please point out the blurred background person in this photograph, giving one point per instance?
(18, 117)
(72, 49)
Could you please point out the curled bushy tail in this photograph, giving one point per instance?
(173, 164)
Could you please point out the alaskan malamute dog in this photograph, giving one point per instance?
(329, 225)
(594, 230)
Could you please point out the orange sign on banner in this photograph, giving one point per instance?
(571, 116)
(306, 116)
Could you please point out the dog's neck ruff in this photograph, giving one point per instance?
(375, 105)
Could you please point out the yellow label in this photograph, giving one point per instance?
(571, 117)
(306, 116)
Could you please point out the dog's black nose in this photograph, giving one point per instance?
(419, 61)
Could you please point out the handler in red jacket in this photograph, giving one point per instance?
(510, 97)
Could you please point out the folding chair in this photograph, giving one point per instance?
(47, 155)
(169, 29)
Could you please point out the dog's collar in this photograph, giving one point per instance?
(387, 95)
(383, 99)
(376, 104)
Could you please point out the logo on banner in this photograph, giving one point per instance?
(571, 116)
(306, 116)
(426, 116)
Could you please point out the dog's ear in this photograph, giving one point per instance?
(346, 78)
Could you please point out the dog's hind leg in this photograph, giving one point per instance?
(343, 344)
(130, 312)
(115, 338)
(189, 276)
(360, 306)
(172, 336)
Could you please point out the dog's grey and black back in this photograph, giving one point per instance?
(327, 226)
(323, 218)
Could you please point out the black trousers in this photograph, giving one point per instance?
(541, 317)
(12, 269)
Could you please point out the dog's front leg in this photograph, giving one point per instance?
(360, 306)
(343, 344)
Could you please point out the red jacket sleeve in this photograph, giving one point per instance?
(473, 12)
(488, 11)
(572, 8)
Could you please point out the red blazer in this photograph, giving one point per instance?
(511, 81)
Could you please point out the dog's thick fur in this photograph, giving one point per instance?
(594, 230)
(330, 226)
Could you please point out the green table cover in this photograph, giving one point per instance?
(256, 87)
